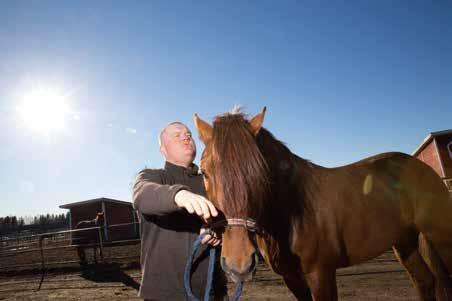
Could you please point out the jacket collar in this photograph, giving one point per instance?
(192, 170)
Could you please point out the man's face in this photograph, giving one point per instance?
(178, 145)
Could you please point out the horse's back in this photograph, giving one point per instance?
(407, 181)
(381, 197)
(85, 224)
(84, 236)
(405, 173)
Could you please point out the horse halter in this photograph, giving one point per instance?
(251, 226)
(248, 223)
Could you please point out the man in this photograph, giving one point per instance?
(172, 211)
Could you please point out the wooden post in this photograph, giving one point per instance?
(101, 246)
(41, 238)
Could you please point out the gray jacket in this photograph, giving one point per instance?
(168, 232)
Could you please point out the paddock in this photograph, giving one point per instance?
(380, 279)
(118, 277)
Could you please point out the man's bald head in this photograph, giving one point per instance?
(176, 144)
(163, 131)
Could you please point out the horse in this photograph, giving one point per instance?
(83, 238)
(307, 220)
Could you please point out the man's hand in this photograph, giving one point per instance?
(210, 239)
(195, 204)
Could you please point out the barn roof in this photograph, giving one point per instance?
(428, 139)
(98, 200)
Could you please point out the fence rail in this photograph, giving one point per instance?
(44, 243)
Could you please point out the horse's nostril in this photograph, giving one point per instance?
(239, 270)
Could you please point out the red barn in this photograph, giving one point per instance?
(120, 218)
(436, 151)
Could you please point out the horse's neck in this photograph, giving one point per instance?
(294, 182)
(291, 176)
(289, 207)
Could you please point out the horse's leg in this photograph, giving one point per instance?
(299, 288)
(421, 277)
(323, 284)
(81, 255)
(95, 254)
(443, 285)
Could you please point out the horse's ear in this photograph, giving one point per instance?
(205, 130)
(256, 122)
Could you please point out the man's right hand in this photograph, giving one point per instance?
(195, 204)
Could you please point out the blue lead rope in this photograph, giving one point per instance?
(210, 272)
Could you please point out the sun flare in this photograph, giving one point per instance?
(44, 110)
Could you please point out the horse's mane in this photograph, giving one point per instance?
(245, 182)
(249, 165)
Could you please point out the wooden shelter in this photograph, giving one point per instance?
(436, 151)
(120, 218)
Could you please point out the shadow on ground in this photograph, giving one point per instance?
(110, 272)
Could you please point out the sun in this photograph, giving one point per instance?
(44, 110)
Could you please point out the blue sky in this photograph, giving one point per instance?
(342, 80)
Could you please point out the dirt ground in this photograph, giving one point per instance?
(380, 279)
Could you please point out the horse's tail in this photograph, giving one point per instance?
(443, 284)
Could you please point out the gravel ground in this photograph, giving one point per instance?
(380, 279)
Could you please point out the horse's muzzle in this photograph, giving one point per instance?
(246, 272)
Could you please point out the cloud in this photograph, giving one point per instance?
(110, 125)
(131, 130)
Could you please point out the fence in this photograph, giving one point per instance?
(35, 251)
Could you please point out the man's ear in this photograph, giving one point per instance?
(205, 130)
(256, 122)
(163, 150)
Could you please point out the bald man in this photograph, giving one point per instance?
(173, 209)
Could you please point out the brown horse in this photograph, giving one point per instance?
(87, 238)
(308, 220)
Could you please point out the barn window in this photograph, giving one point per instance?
(449, 149)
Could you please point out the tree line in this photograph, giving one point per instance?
(39, 223)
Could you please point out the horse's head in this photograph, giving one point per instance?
(236, 179)
(99, 217)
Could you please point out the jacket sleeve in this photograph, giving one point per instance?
(151, 197)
